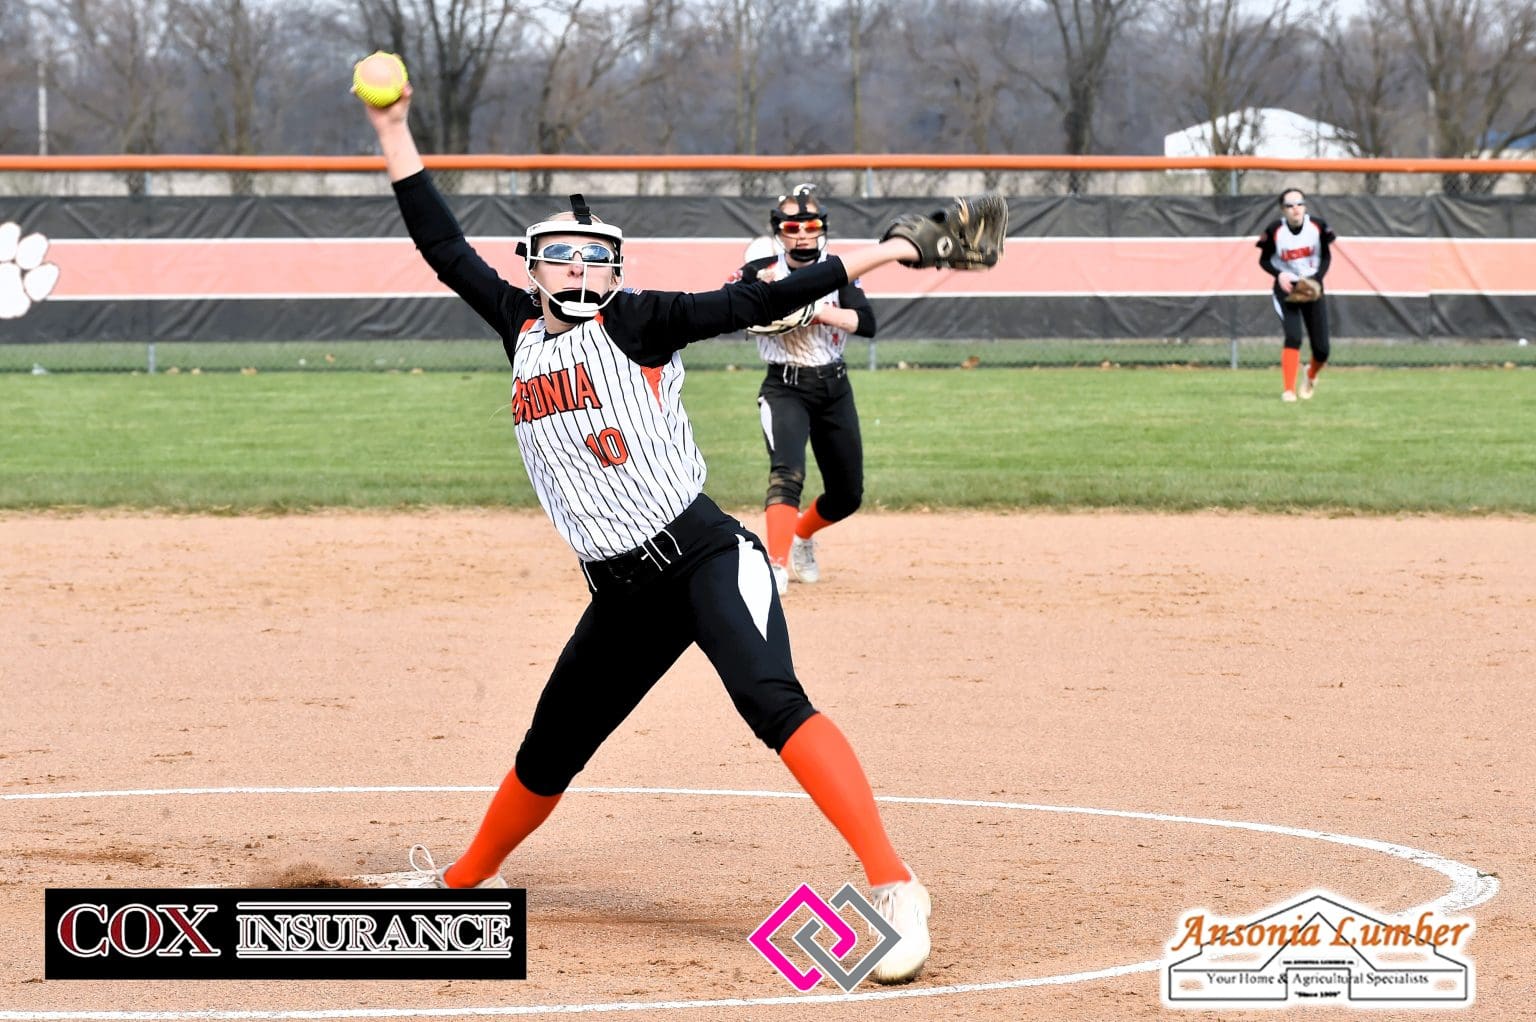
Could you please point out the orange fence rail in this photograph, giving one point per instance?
(832, 161)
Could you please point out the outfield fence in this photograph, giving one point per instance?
(211, 263)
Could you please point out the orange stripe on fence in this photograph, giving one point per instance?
(308, 268)
(276, 267)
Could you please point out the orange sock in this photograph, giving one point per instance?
(1313, 368)
(825, 765)
(810, 522)
(781, 526)
(515, 813)
(1290, 361)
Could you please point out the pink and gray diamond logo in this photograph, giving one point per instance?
(824, 916)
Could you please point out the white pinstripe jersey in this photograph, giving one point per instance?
(815, 344)
(597, 409)
(606, 442)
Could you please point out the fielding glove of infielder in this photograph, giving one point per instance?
(967, 234)
(1306, 289)
(794, 321)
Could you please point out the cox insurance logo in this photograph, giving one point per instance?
(844, 941)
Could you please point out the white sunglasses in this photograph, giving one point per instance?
(591, 253)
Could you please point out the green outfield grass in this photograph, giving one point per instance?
(322, 357)
(1169, 439)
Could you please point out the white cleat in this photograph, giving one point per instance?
(424, 873)
(780, 578)
(1308, 384)
(802, 558)
(906, 906)
(1288, 396)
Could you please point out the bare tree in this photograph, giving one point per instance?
(653, 95)
(1475, 56)
(1133, 114)
(304, 91)
(961, 56)
(746, 22)
(23, 60)
(585, 45)
(1365, 77)
(1232, 63)
(748, 19)
(667, 46)
(856, 23)
(450, 44)
(1087, 31)
(233, 43)
(118, 71)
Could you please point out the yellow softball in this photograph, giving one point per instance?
(379, 78)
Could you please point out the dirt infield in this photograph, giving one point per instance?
(1367, 677)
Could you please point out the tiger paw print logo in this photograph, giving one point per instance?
(25, 277)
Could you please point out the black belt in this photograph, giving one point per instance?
(791, 373)
(655, 555)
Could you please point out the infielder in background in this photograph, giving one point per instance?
(597, 412)
(806, 394)
(1295, 251)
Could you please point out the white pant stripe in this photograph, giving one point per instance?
(754, 581)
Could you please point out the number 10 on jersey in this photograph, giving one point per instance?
(608, 447)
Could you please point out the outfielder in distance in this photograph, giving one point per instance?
(1295, 251)
(597, 412)
(806, 394)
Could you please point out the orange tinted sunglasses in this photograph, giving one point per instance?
(801, 226)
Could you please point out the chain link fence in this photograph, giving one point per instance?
(1319, 178)
(739, 354)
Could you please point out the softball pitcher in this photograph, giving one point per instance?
(806, 394)
(597, 412)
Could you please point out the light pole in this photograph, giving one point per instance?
(42, 106)
(40, 47)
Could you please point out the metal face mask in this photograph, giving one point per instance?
(603, 251)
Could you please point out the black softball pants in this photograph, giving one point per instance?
(715, 589)
(815, 403)
(1311, 316)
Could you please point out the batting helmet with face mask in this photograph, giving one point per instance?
(605, 251)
